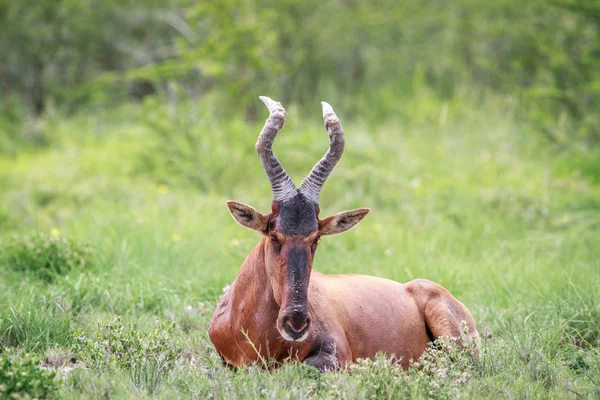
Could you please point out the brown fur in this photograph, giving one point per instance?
(280, 309)
(353, 316)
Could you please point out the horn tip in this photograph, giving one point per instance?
(327, 109)
(266, 100)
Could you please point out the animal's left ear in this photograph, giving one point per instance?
(248, 216)
(341, 222)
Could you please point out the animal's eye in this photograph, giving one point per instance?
(313, 246)
(275, 240)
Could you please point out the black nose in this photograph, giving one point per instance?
(296, 325)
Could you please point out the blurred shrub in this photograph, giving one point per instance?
(371, 55)
(45, 256)
(22, 377)
(546, 55)
(147, 356)
(5, 220)
(10, 125)
(187, 144)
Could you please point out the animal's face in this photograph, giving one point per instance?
(292, 231)
(293, 228)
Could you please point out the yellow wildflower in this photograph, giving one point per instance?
(55, 232)
(176, 237)
(162, 189)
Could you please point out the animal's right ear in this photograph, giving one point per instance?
(248, 216)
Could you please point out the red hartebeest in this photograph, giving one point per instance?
(279, 308)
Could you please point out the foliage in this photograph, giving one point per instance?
(184, 146)
(445, 368)
(22, 377)
(146, 356)
(46, 256)
(36, 327)
(73, 43)
(544, 54)
(462, 190)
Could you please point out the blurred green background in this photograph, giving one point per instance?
(473, 134)
(369, 59)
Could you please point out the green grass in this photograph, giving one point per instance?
(461, 193)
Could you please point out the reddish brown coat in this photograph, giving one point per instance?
(280, 309)
(355, 315)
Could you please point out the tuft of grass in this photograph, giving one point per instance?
(36, 326)
(579, 313)
(146, 356)
(46, 256)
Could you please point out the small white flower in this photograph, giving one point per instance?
(415, 182)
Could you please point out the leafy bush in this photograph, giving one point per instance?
(23, 377)
(46, 256)
(146, 356)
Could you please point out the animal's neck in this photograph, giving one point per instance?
(254, 310)
(252, 282)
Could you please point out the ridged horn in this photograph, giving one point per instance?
(311, 185)
(281, 184)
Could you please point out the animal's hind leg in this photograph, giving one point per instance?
(445, 317)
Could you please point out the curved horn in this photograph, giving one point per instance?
(281, 184)
(311, 185)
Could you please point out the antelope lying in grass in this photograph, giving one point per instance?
(279, 308)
